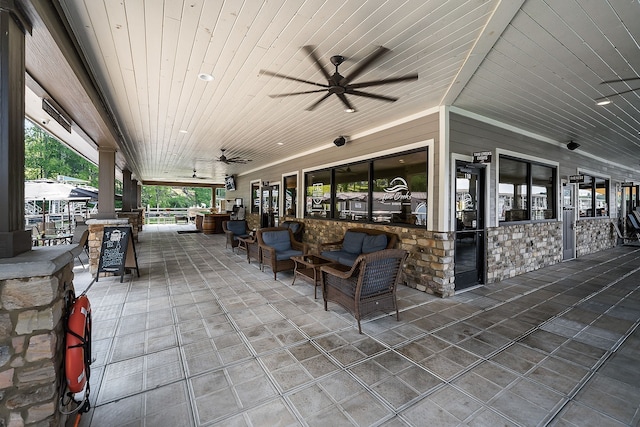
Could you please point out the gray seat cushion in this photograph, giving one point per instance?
(286, 254)
(237, 227)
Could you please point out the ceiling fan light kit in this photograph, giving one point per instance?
(342, 86)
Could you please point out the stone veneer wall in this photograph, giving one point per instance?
(253, 220)
(31, 353)
(96, 230)
(429, 267)
(516, 249)
(594, 235)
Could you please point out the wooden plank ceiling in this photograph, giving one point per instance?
(534, 64)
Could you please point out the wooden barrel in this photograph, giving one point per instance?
(208, 224)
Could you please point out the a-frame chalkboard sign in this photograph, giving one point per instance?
(118, 252)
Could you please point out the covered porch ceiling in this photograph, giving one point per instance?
(126, 73)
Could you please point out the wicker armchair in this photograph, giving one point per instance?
(296, 227)
(234, 229)
(277, 246)
(368, 286)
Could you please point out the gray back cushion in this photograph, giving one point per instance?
(279, 239)
(237, 227)
(352, 242)
(373, 243)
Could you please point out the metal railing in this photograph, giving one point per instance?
(165, 215)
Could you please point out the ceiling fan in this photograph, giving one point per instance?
(604, 100)
(227, 160)
(195, 175)
(343, 85)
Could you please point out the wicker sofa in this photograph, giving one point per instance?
(355, 242)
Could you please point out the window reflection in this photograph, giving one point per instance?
(400, 189)
(352, 192)
(391, 190)
(526, 190)
(318, 194)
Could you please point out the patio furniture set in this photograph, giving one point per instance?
(360, 272)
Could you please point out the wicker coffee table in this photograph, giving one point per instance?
(308, 266)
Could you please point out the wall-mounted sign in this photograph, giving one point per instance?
(398, 190)
(482, 157)
(576, 178)
(627, 184)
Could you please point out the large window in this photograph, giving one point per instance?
(352, 192)
(318, 194)
(290, 195)
(527, 191)
(390, 189)
(593, 197)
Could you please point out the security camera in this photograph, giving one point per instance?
(340, 141)
(45, 121)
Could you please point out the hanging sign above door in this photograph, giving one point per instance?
(482, 157)
(576, 178)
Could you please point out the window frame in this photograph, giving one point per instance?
(529, 210)
(369, 162)
(595, 180)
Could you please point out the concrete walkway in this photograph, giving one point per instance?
(203, 338)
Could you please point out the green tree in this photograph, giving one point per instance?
(157, 196)
(46, 158)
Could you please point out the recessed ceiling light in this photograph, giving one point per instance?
(280, 143)
(206, 77)
(183, 131)
(349, 110)
(603, 101)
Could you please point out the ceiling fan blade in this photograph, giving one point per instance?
(620, 80)
(318, 102)
(282, 76)
(345, 101)
(311, 52)
(282, 95)
(620, 93)
(364, 64)
(384, 81)
(372, 95)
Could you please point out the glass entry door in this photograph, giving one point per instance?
(568, 222)
(269, 205)
(470, 256)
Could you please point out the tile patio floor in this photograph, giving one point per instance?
(203, 338)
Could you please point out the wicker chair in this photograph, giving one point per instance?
(234, 229)
(296, 227)
(368, 286)
(277, 246)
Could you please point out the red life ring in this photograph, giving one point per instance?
(78, 352)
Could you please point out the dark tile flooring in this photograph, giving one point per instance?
(203, 338)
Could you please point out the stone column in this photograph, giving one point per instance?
(32, 308)
(137, 196)
(128, 192)
(14, 239)
(106, 183)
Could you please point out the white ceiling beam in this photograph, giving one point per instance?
(499, 20)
